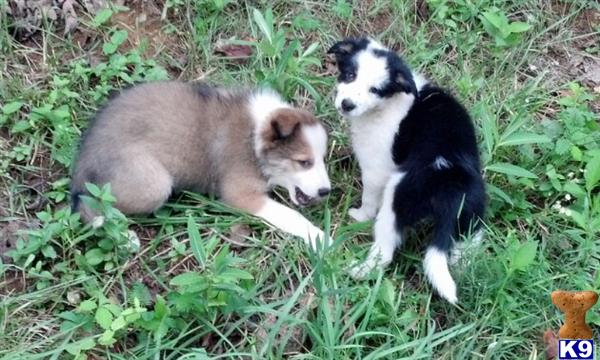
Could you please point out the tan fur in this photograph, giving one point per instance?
(285, 126)
(158, 138)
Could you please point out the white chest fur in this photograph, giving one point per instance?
(373, 136)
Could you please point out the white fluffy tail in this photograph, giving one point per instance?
(436, 270)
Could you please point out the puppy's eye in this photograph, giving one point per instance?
(350, 76)
(374, 90)
(304, 163)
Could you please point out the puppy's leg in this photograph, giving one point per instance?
(254, 200)
(291, 221)
(373, 186)
(386, 234)
(139, 183)
(142, 185)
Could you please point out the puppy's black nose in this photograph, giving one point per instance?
(324, 192)
(347, 105)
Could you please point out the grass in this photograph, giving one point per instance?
(200, 285)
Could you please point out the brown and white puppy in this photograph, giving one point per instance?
(157, 138)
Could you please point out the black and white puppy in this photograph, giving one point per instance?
(418, 155)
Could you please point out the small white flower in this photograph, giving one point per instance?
(532, 67)
(556, 206)
(570, 175)
(568, 197)
(98, 222)
(562, 211)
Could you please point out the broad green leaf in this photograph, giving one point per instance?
(102, 16)
(118, 323)
(186, 279)
(519, 27)
(76, 347)
(574, 189)
(94, 256)
(93, 189)
(113, 308)
(196, 241)
(87, 344)
(160, 307)
(510, 169)
(12, 107)
(20, 126)
(234, 274)
(49, 252)
(87, 305)
(44, 216)
(521, 138)
(495, 19)
(500, 193)
(524, 256)
(592, 173)
(118, 37)
(576, 153)
(387, 293)
(103, 317)
(107, 338)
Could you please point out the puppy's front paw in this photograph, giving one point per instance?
(361, 214)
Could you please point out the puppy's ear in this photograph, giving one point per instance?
(406, 83)
(284, 124)
(342, 48)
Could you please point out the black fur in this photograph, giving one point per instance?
(437, 125)
(453, 196)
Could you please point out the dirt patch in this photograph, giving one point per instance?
(8, 239)
(13, 283)
(576, 59)
(296, 343)
(10, 232)
(145, 26)
(135, 271)
(143, 23)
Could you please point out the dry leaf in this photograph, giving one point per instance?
(592, 72)
(239, 53)
(551, 343)
(238, 234)
(69, 15)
